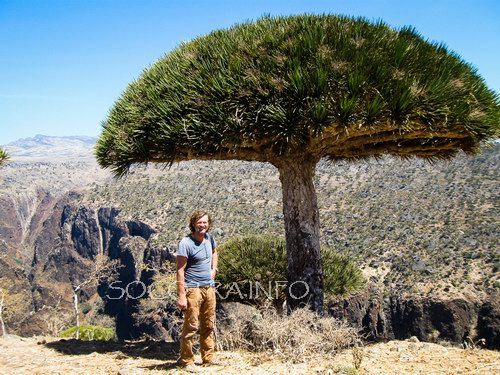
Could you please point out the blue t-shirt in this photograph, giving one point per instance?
(199, 260)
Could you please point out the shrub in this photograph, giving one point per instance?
(90, 333)
(296, 336)
(85, 308)
(245, 261)
(341, 276)
(262, 258)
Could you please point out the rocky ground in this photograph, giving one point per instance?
(42, 355)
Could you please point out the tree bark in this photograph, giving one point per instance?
(301, 215)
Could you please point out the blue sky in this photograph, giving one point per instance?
(64, 63)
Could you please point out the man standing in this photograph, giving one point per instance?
(196, 269)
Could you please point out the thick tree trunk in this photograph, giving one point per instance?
(301, 215)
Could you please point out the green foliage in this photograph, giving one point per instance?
(342, 277)
(253, 257)
(90, 333)
(85, 308)
(263, 259)
(280, 83)
(3, 156)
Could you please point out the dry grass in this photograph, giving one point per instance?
(295, 337)
(54, 356)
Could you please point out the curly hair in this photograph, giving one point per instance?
(197, 215)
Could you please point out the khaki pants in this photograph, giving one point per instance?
(200, 309)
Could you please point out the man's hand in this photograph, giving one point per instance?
(182, 302)
(213, 273)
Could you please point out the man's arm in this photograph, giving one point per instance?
(181, 288)
(215, 260)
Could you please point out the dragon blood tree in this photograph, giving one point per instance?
(290, 91)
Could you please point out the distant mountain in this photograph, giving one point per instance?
(44, 147)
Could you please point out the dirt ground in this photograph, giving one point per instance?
(40, 355)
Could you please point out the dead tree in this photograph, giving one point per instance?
(2, 324)
(104, 269)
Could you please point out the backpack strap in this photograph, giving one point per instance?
(212, 242)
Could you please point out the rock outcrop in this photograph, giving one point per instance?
(21, 219)
(69, 236)
(134, 245)
(386, 317)
(488, 322)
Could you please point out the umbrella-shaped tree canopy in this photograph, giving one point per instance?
(324, 85)
(292, 90)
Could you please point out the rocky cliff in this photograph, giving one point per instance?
(382, 315)
(21, 218)
(61, 239)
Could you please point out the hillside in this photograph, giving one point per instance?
(419, 227)
(39, 171)
(54, 164)
(424, 234)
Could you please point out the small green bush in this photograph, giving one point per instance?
(85, 308)
(262, 258)
(90, 333)
(245, 261)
